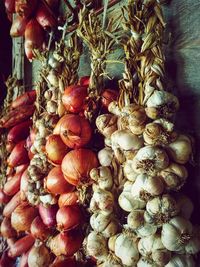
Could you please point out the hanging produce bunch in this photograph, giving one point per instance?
(69, 199)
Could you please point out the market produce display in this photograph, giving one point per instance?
(91, 175)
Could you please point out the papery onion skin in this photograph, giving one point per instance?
(74, 98)
(39, 230)
(11, 205)
(23, 216)
(18, 26)
(25, 7)
(77, 165)
(7, 230)
(45, 17)
(55, 149)
(21, 246)
(39, 256)
(19, 155)
(69, 217)
(107, 97)
(66, 243)
(68, 199)
(56, 130)
(63, 262)
(34, 38)
(75, 131)
(48, 214)
(56, 183)
(4, 199)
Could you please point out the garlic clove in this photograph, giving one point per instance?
(107, 124)
(105, 156)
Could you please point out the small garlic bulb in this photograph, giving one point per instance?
(125, 140)
(105, 156)
(106, 124)
(51, 107)
(181, 261)
(105, 224)
(126, 249)
(127, 202)
(97, 246)
(102, 175)
(161, 104)
(52, 78)
(174, 176)
(152, 248)
(160, 209)
(150, 160)
(181, 149)
(177, 236)
(114, 108)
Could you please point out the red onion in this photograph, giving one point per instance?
(27, 98)
(21, 168)
(21, 246)
(12, 186)
(68, 199)
(25, 7)
(3, 197)
(84, 81)
(48, 214)
(39, 257)
(19, 155)
(10, 6)
(24, 259)
(18, 26)
(6, 261)
(68, 217)
(39, 230)
(19, 132)
(45, 17)
(11, 205)
(7, 230)
(107, 97)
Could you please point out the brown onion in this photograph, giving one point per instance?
(39, 230)
(74, 98)
(19, 155)
(48, 214)
(107, 97)
(21, 246)
(23, 216)
(55, 149)
(3, 197)
(55, 182)
(56, 130)
(75, 131)
(45, 16)
(18, 26)
(66, 243)
(63, 262)
(39, 256)
(25, 7)
(68, 217)
(7, 230)
(11, 205)
(68, 199)
(77, 165)
(34, 38)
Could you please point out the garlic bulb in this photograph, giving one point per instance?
(161, 104)
(106, 124)
(105, 224)
(114, 108)
(181, 149)
(181, 261)
(150, 159)
(51, 107)
(125, 140)
(136, 222)
(52, 78)
(152, 248)
(127, 202)
(97, 246)
(126, 249)
(185, 205)
(174, 176)
(143, 262)
(105, 156)
(177, 236)
(160, 209)
(128, 171)
(102, 175)
(146, 186)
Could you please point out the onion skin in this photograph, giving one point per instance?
(74, 98)
(66, 243)
(68, 217)
(18, 26)
(84, 81)
(12, 186)
(55, 149)
(24, 259)
(68, 199)
(34, 37)
(56, 183)
(11, 205)
(45, 17)
(63, 262)
(48, 214)
(39, 230)
(27, 98)
(21, 246)
(77, 165)
(107, 97)
(25, 7)
(6, 261)
(23, 216)
(19, 155)
(21, 168)
(75, 131)
(4, 199)
(56, 130)
(7, 231)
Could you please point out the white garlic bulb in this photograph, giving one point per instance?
(105, 156)
(102, 175)
(143, 262)
(150, 159)
(128, 171)
(107, 124)
(160, 209)
(114, 108)
(126, 249)
(181, 261)
(152, 248)
(174, 176)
